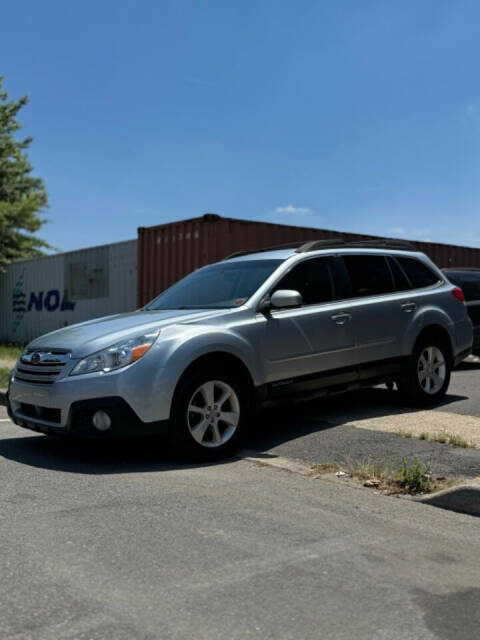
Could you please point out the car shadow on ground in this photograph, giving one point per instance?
(292, 421)
(270, 428)
(96, 457)
(468, 365)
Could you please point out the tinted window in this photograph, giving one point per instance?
(418, 273)
(369, 275)
(400, 279)
(469, 281)
(223, 285)
(312, 278)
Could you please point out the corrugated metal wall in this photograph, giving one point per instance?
(168, 252)
(40, 295)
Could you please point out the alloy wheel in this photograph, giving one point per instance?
(431, 370)
(213, 413)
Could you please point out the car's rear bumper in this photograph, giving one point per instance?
(124, 421)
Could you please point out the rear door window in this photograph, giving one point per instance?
(369, 275)
(400, 279)
(418, 273)
(312, 278)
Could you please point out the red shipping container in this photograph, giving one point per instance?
(170, 251)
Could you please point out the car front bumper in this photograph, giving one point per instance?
(124, 421)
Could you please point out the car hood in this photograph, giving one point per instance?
(94, 335)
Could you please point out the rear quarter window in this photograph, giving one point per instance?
(418, 273)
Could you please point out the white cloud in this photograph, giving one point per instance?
(289, 208)
(471, 116)
(411, 234)
(422, 234)
(470, 110)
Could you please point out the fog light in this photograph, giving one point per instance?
(101, 421)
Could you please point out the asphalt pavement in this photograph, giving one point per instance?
(326, 430)
(123, 542)
(112, 541)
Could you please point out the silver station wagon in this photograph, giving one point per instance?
(285, 323)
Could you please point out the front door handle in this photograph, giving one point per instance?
(408, 307)
(341, 318)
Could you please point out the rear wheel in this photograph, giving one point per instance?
(428, 373)
(209, 413)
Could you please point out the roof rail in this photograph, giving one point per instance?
(277, 247)
(378, 243)
(332, 243)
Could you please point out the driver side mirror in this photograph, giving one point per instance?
(286, 298)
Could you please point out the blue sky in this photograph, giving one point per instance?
(356, 115)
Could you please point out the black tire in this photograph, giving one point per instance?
(181, 438)
(414, 391)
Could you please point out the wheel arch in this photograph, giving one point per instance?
(439, 333)
(220, 358)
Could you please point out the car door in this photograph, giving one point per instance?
(314, 337)
(380, 311)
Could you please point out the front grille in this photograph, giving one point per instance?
(42, 413)
(41, 366)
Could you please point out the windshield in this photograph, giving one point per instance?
(221, 286)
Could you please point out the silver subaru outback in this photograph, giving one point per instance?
(255, 328)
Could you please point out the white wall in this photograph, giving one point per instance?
(35, 296)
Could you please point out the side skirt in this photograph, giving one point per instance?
(330, 382)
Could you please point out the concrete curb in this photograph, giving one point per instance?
(277, 462)
(464, 498)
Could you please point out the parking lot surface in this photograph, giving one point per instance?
(120, 540)
(362, 426)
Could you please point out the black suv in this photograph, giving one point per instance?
(469, 281)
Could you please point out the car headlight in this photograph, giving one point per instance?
(117, 356)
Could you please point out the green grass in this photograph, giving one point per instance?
(412, 477)
(444, 437)
(10, 352)
(370, 471)
(4, 376)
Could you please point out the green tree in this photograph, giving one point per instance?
(22, 196)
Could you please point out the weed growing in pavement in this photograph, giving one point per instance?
(456, 440)
(424, 436)
(325, 467)
(403, 434)
(414, 477)
(369, 471)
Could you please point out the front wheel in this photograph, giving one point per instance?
(428, 373)
(209, 413)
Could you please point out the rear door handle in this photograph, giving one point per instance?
(341, 318)
(408, 307)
